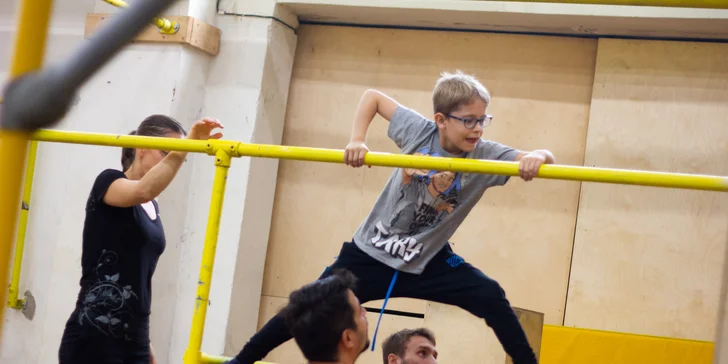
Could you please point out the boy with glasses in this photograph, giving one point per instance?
(401, 249)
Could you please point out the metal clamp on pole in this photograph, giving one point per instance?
(39, 100)
(164, 25)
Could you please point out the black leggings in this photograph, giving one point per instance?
(446, 279)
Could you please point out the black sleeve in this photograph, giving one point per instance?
(102, 183)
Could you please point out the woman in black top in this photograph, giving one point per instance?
(123, 238)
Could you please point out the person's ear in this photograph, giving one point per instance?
(440, 119)
(392, 359)
(348, 338)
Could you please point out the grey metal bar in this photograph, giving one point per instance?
(40, 99)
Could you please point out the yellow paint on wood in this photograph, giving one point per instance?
(566, 345)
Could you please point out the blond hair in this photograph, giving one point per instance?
(453, 90)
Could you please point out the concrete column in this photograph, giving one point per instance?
(246, 89)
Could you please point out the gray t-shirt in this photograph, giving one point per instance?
(419, 210)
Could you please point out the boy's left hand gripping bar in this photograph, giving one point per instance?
(40, 99)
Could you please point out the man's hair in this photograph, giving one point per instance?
(397, 342)
(453, 90)
(318, 313)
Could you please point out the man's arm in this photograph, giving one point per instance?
(530, 162)
(372, 103)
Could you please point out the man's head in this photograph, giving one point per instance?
(326, 319)
(460, 101)
(410, 347)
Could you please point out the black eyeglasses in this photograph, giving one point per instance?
(470, 122)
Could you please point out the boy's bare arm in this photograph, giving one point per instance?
(372, 103)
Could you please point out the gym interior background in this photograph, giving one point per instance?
(599, 85)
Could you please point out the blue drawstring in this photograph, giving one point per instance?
(386, 298)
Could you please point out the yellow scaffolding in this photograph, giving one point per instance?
(165, 25)
(13, 290)
(225, 150)
(53, 87)
(30, 40)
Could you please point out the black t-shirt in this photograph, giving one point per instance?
(121, 247)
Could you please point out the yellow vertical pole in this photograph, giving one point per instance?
(13, 292)
(193, 353)
(30, 39)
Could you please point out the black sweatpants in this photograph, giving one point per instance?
(446, 279)
(89, 347)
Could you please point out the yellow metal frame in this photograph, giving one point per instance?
(13, 291)
(225, 150)
(30, 40)
(165, 25)
(223, 156)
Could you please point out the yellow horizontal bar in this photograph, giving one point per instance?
(214, 359)
(562, 172)
(706, 4)
(118, 140)
(574, 173)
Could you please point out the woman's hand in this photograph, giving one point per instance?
(201, 129)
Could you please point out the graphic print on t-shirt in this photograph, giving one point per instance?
(105, 304)
(425, 199)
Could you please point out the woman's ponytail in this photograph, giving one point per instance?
(127, 155)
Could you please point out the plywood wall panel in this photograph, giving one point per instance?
(520, 234)
(461, 337)
(648, 260)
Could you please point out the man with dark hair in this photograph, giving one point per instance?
(410, 346)
(327, 321)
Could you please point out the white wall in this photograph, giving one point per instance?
(243, 87)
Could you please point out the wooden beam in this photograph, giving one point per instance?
(193, 32)
(520, 17)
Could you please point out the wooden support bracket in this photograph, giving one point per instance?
(193, 32)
